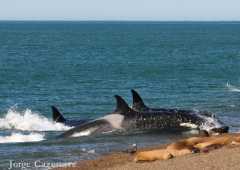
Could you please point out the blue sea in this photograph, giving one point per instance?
(80, 66)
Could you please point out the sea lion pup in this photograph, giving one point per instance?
(189, 146)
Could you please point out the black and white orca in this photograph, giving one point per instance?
(58, 117)
(127, 119)
(211, 120)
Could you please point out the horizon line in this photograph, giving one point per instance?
(73, 20)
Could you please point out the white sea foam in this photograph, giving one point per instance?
(29, 121)
(232, 88)
(210, 123)
(20, 137)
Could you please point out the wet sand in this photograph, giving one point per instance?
(224, 158)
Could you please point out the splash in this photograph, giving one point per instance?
(29, 121)
(232, 88)
(20, 137)
(210, 123)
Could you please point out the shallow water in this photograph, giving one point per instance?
(79, 66)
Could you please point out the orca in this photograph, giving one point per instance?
(139, 106)
(58, 117)
(126, 119)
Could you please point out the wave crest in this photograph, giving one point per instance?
(19, 137)
(232, 88)
(29, 121)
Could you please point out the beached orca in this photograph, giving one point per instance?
(58, 117)
(126, 119)
(139, 106)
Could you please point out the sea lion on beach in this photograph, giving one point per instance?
(189, 146)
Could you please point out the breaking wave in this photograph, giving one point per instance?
(232, 88)
(20, 137)
(29, 121)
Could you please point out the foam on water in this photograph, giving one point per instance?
(20, 137)
(232, 88)
(209, 122)
(29, 121)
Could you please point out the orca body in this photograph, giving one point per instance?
(211, 120)
(126, 119)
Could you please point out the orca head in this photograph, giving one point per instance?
(210, 123)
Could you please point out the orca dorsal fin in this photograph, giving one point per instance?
(138, 103)
(57, 116)
(122, 106)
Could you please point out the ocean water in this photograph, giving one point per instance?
(79, 66)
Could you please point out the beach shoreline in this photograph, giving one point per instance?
(226, 157)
